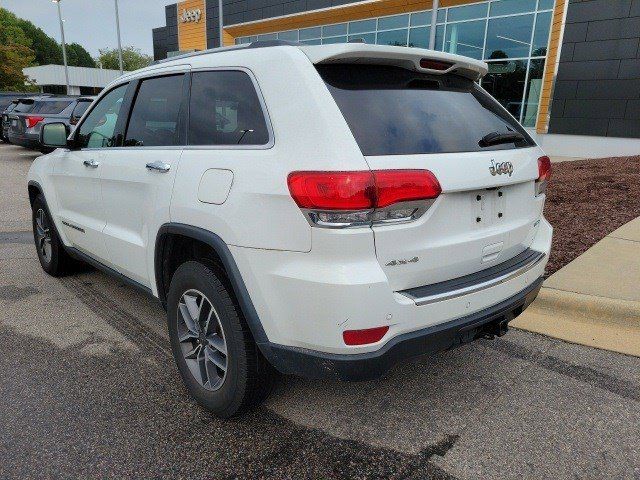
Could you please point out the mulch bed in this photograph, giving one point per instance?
(588, 199)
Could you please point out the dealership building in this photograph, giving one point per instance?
(569, 70)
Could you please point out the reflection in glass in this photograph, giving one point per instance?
(541, 34)
(362, 26)
(369, 38)
(468, 12)
(534, 88)
(509, 37)
(505, 82)
(508, 7)
(326, 41)
(290, 36)
(308, 33)
(419, 37)
(465, 38)
(333, 30)
(545, 4)
(395, 21)
(393, 37)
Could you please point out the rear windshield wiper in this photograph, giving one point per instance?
(497, 138)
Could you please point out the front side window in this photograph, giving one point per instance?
(98, 129)
(155, 116)
(225, 110)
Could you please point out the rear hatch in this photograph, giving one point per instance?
(487, 212)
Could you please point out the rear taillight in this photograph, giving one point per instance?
(364, 337)
(32, 120)
(544, 174)
(357, 198)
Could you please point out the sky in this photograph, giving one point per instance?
(91, 23)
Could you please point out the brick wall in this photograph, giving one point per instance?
(597, 90)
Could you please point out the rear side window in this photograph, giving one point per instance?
(225, 110)
(80, 108)
(24, 106)
(394, 111)
(51, 108)
(156, 113)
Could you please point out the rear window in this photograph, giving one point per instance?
(81, 107)
(24, 106)
(394, 111)
(51, 107)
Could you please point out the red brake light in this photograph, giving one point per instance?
(544, 169)
(361, 190)
(332, 190)
(363, 337)
(435, 64)
(393, 186)
(32, 121)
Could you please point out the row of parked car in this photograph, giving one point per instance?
(23, 116)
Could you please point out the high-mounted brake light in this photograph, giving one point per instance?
(364, 337)
(357, 198)
(435, 64)
(32, 120)
(544, 175)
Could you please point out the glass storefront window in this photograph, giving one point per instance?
(369, 38)
(326, 41)
(468, 12)
(505, 82)
(393, 37)
(541, 34)
(290, 36)
(308, 33)
(333, 30)
(362, 26)
(545, 4)
(315, 41)
(509, 7)
(419, 37)
(267, 36)
(466, 38)
(509, 37)
(420, 18)
(396, 21)
(534, 88)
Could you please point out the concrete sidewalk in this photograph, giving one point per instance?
(594, 300)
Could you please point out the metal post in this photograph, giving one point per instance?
(220, 23)
(119, 42)
(64, 45)
(434, 21)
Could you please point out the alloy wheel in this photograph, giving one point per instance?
(43, 235)
(202, 339)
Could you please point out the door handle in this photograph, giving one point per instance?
(91, 163)
(159, 166)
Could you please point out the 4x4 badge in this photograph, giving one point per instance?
(500, 168)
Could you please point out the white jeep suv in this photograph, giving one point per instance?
(316, 210)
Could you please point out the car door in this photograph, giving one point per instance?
(137, 179)
(76, 176)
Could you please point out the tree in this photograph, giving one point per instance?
(132, 59)
(77, 56)
(15, 53)
(47, 50)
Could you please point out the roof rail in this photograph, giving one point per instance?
(242, 46)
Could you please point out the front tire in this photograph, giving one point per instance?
(214, 350)
(51, 253)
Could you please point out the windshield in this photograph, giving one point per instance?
(394, 111)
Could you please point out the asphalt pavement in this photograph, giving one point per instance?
(88, 389)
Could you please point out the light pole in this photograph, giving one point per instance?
(64, 45)
(119, 42)
(434, 21)
(220, 22)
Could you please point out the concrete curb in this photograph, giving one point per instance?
(590, 320)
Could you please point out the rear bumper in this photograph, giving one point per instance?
(26, 140)
(371, 365)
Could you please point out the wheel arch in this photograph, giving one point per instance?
(168, 232)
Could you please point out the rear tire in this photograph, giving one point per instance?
(215, 353)
(51, 253)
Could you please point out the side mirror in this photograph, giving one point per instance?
(54, 135)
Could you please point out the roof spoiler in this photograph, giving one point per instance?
(417, 59)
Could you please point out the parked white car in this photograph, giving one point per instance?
(323, 211)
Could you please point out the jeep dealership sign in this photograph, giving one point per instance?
(191, 15)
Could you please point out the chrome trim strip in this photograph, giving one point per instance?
(440, 297)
